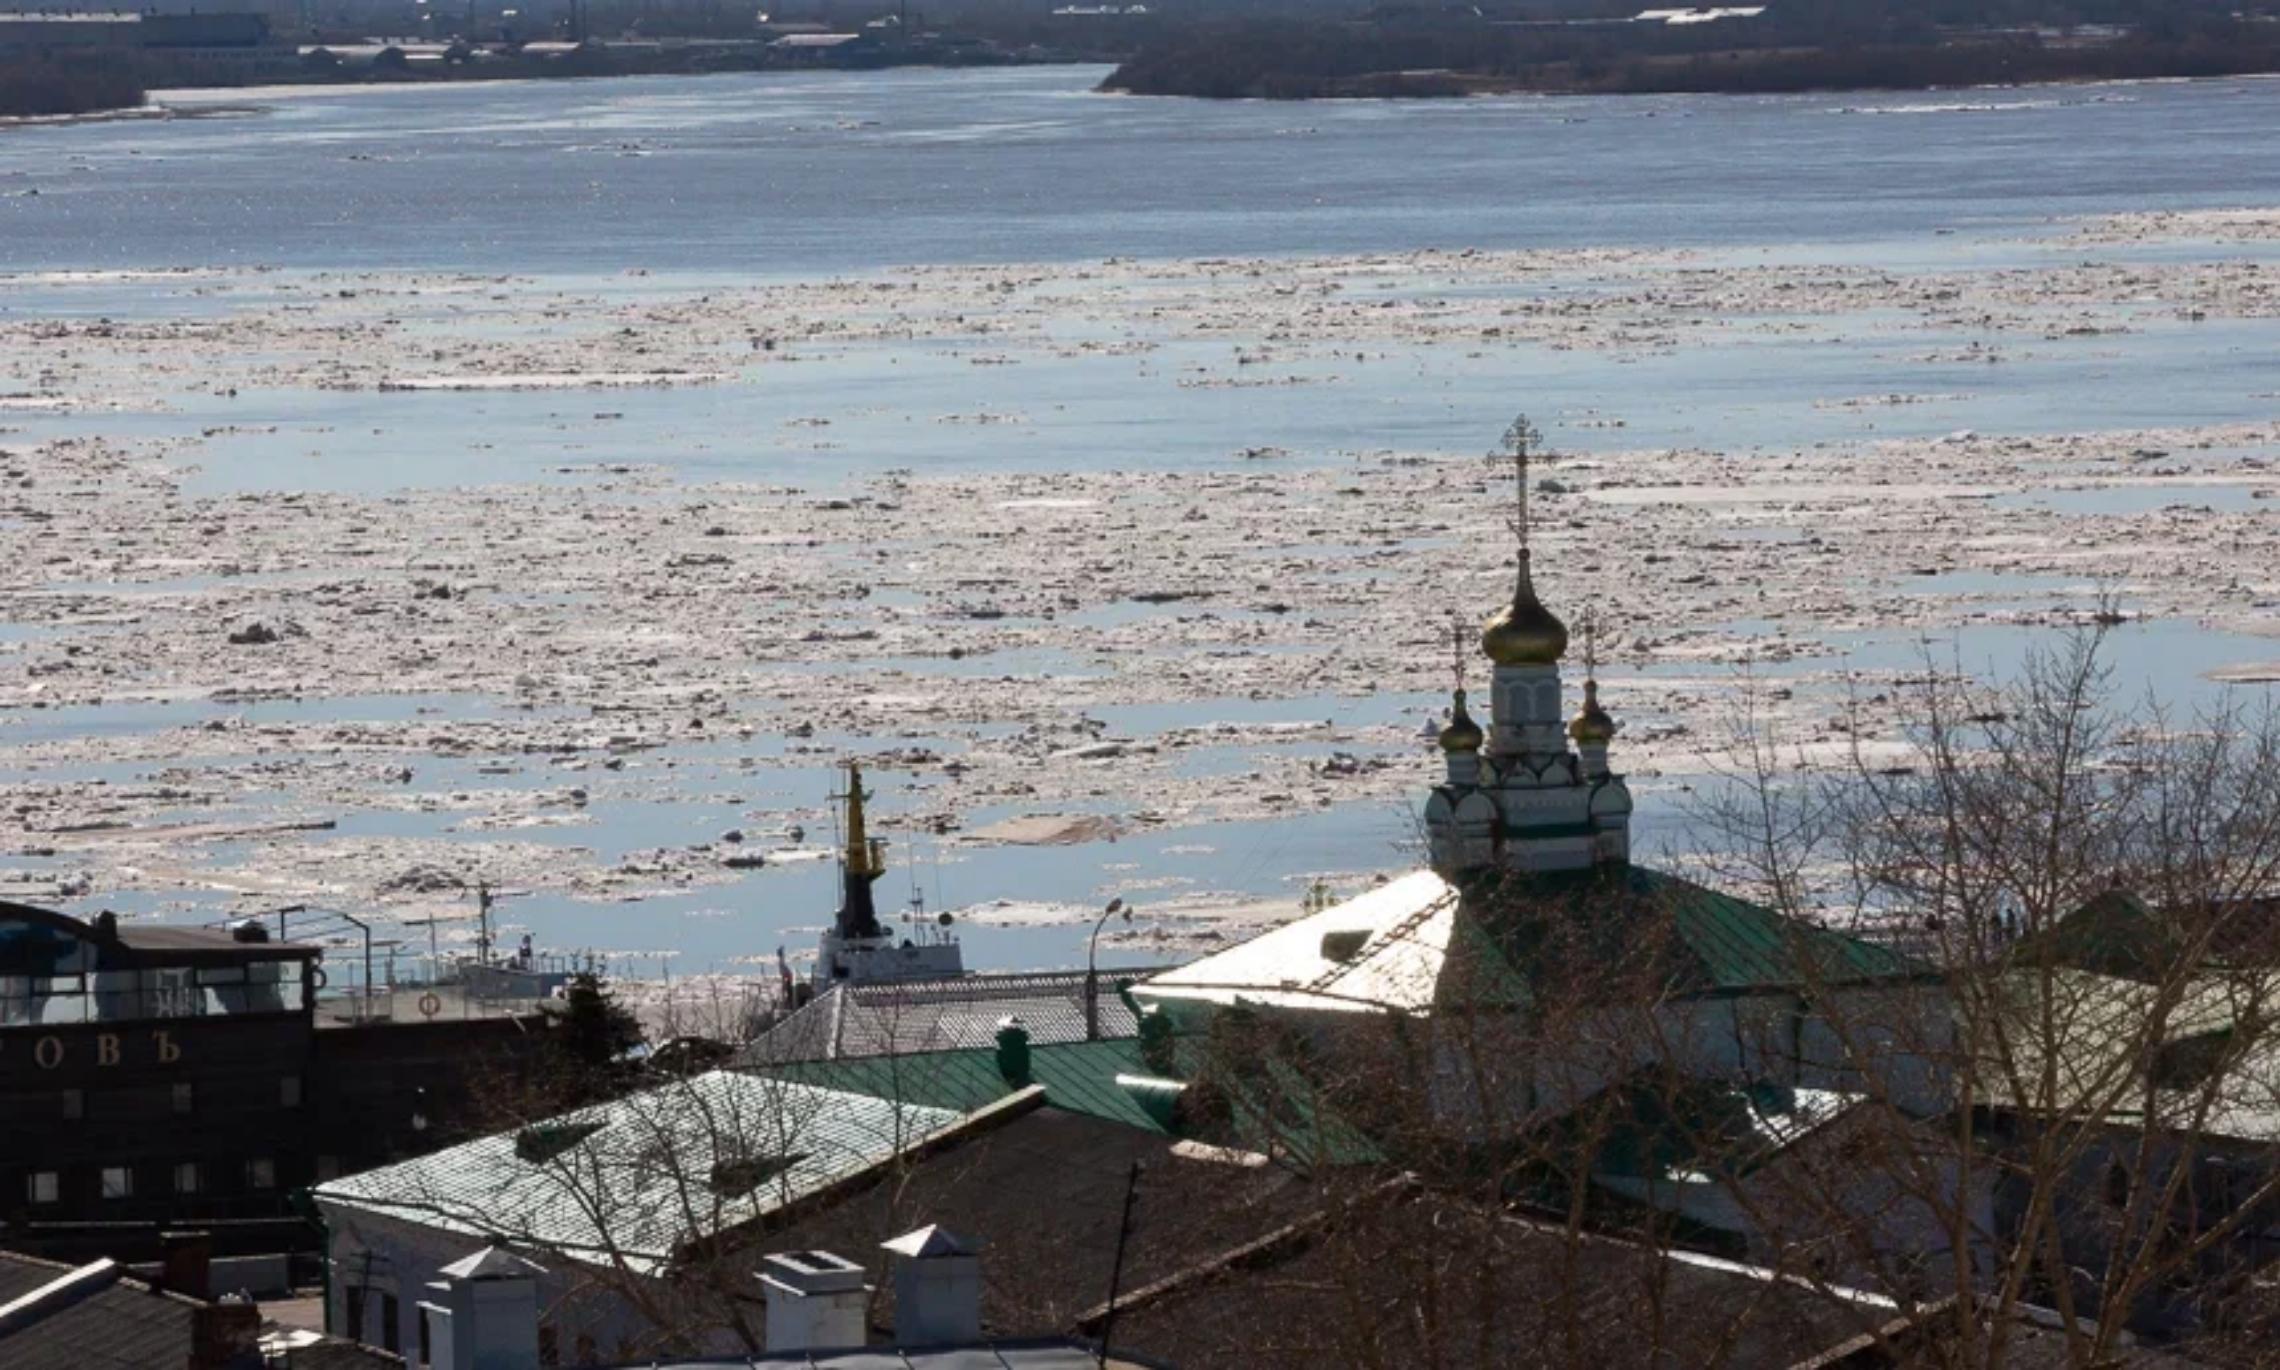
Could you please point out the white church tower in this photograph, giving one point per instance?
(1519, 797)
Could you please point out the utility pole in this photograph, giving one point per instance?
(483, 922)
(1116, 1274)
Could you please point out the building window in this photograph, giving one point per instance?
(390, 1337)
(185, 1096)
(43, 1187)
(186, 1178)
(261, 1173)
(74, 1104)
(352, 1300)
(289, 1091)
(118, 1182)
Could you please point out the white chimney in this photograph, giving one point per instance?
(816, 1301)
(938, 1288)
(485, 1314)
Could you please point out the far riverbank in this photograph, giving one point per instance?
(1293, 61)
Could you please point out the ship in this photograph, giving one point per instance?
(858, 948)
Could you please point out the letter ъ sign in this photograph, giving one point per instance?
(51, 1053)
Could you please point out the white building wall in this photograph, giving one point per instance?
(394, 1256)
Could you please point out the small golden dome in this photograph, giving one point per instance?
(1592, 723)
(1462, 734)
(1526, 633)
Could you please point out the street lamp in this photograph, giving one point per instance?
(1092, 967)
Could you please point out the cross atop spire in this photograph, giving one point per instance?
(1519, 438)
(1590, 642)
(1459, 636)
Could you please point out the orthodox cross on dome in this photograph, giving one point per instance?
(1519, 440)
(1459, 636)
(1591, 643)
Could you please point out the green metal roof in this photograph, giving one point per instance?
(1711, 942)
(1275, 1109)
(1659, 1125)
(1079, 1077)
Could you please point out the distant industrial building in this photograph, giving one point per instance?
(235, 40)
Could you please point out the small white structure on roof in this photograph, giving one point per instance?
(816, 1301)
(630, 1187)
(938, 1287)
(483, 1313)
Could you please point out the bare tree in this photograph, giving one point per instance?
(2036, 1069)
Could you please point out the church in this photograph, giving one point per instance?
(1529, 904)
(1533, 991)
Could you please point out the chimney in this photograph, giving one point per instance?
(1013, 1052)
(485, 1313)
(938, 1288)
(186, 1264)
(225, 1336)
(816, 1301)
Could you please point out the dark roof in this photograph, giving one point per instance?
(1044, 1195)
(897, 1016)
(1504, 1291)
(20, 1275)
(214, 943)
(2116, 933)
(26, 931)
(1031, 1354)
(2036, 1340)
(1699, 940)
(112, 1321)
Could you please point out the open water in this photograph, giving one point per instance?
(801, 174)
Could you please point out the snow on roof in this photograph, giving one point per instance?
(1378, 951)
(638, 1179)
(491, 1263)
(1697, 16)
(932, 1240)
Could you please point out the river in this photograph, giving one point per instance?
(801, 174)
(631, 190)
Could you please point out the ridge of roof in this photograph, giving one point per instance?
(1077, 1077)
(62, 1292)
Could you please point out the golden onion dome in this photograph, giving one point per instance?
(1592, 723)
(1526, 633)
(1462, 734)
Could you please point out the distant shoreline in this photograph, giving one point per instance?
(1268, 62)
(156, 110)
